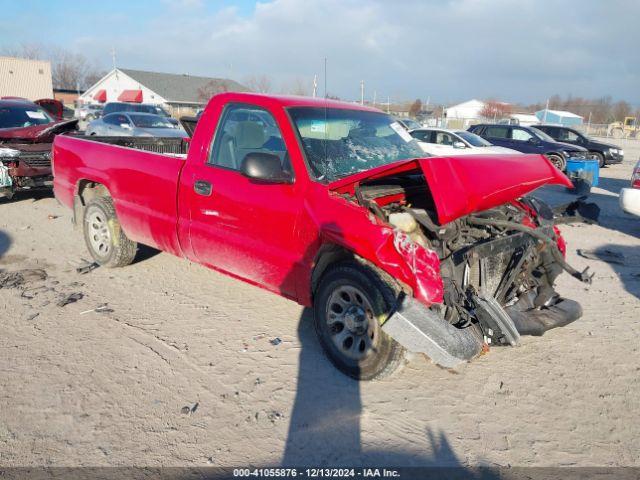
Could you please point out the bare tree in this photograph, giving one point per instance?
(211, 88)
(68, 70)
(298, 86)
(620, 110)
(415, 108)
(259, 83)
(30, 51)
(494, 109)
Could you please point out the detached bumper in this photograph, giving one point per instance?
(421, 330)
(630, 200)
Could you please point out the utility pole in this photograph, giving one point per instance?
(374, 98)
(388, 104)
(113, 59)
(315, 85)
(325, 77)
(361, 92)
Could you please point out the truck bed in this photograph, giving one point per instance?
(142, 182)
(163, 145)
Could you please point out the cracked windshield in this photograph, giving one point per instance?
(339, 142)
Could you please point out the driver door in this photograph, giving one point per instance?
(239, 225)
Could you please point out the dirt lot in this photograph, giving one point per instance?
(185, 366)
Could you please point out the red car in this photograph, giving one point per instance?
(334, 206)
(26, 135)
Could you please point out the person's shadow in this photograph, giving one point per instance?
(324, 428)
(5, 243)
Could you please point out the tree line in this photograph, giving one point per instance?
(69, 70)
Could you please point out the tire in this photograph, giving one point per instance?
(349, 301)
(600, 158)
(617, 133)
(558, 161)
(105, 240)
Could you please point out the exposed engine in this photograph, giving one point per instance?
(498, 266)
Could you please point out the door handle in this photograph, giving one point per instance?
(202, 187)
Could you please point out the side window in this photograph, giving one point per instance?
(556, 133)
(521, 135)
(115, 119)
(572, 136)
(246, 129)
(422, 135)
(443, 138)
(496, 132)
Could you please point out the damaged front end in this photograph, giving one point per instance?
(24, 167)
(498, 263)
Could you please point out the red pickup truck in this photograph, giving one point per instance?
(334, 206)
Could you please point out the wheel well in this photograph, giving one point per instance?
(87, 190)
(329, 254)
(332, 254)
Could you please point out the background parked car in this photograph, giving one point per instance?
(113, 107)
(605, 153)
(26, 133)
(134, 125)
(630, 197)
(530, 140)
(441, 142)
(408, 123)
(88, 112)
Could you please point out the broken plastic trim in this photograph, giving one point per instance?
(421, 330)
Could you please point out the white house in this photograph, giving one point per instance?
(175, 91)
(466, 110)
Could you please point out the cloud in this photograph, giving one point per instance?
(446, 49)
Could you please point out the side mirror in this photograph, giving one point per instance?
(533, 140)
(459, 145)
(126, 126)
(265, 167)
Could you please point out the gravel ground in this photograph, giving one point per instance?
(187, 367)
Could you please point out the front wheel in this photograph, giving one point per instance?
(106, 242)
(349, 304)
(558, 161)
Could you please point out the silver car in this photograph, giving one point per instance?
(122, 124)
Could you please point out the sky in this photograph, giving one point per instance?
(443, 50)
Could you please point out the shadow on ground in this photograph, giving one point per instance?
(144, 253)
(611, 217)
(324, 429)
(5, 243)
(628, 270)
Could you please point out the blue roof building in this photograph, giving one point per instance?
(559, 117)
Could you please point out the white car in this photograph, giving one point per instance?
(441, 142)
(630, 197)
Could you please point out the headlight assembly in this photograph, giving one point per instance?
(9, 152)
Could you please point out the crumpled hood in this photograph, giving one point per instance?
(37, 133)
(470, 183)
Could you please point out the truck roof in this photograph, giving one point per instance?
(291, 101)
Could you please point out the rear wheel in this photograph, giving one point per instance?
(558, 161)
(349, 304)
(617, 133)
(105, 240)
